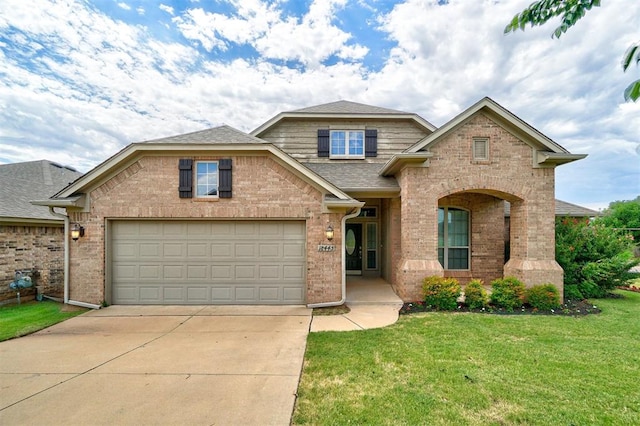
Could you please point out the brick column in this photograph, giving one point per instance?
(533, 244)
(419, 238)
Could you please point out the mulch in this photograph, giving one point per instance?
(569, 308)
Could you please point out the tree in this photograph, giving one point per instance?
(541, 11)
(624, 215)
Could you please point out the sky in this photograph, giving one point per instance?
(79, 80)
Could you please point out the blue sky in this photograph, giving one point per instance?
(79, 80)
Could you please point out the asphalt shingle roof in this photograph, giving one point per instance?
(347, 107)
(563, 209)
(354, 176)
(217, 135)
(33, 180)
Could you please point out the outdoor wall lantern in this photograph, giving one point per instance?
(329, 232)
(77, 231)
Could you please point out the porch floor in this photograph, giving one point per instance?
(373, 304)
(370, 291)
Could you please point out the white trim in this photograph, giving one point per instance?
(305, 115)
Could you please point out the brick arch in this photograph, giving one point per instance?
(497, 187)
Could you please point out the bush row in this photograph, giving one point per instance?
(507, 293)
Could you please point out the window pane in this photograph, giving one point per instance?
(441, 256)
(372, 237)
(458, 228)
(356, 143)
(458, 258)
(206, 179)
(338, 143)
(441, 228)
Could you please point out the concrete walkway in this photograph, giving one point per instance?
(137, 365)
(373, 304)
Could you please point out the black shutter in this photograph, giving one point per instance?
(224, 176)
(185, 186)
(323, 142)
(371, 143)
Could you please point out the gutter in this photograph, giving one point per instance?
(66, 299)
(355, 213)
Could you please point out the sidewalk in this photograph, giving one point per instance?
(373, 304)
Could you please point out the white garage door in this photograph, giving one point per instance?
(196, 262)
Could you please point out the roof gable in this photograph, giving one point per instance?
(344, 110)
(223, 140)
(502, 116)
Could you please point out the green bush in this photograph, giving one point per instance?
(595, 258)
(507, 293)
(475, 295)
(571, 292)
(441, 293)
(543, 296)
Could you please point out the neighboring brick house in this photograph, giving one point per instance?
(31, 238)
(223, 217)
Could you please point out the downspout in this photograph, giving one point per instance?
(344, 269)
(66, 299)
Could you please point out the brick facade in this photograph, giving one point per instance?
(148, 188)
(453, 178)
(28, 247)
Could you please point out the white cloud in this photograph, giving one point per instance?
(124, 6)
(166, 8)
(78, 85)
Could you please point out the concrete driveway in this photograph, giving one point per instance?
(210, 365)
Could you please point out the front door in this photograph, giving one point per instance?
(353, 248)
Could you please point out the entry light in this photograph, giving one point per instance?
(329, 232)
(77, 231)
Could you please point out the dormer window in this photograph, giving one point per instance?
(347, 144)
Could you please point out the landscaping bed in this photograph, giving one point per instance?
(569, 308)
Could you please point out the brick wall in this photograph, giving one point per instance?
(262, 189)
(28, 247)
(453, 177)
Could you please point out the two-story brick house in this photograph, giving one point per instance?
(282, 215)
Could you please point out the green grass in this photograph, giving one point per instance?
(29, 317)
(462, 368)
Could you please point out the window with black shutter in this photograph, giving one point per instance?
(224, 187)
(323, 142)
(185, 184)
(371, 143)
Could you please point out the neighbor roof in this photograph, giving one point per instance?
(563, 209)
(345, 109)
(23, 182)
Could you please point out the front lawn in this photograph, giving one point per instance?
(465, 368)
(29, 317)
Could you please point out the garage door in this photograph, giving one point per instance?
(221, 262)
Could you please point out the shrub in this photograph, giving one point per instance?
(571, 292)
(507, 293)
(595, 258)
(441, 293)
(475, 295)
(543, 296)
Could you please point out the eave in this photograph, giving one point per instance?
(341, 116)
(552, 159)
(399, 161)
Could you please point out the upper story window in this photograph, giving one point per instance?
(207, 179)
(347, 144)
